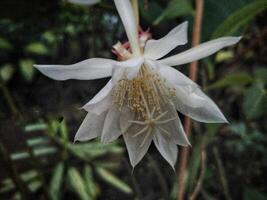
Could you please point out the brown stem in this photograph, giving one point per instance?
(193, 75)
(201, 176)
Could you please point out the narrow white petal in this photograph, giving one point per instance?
(137, 146)
(190, 100)
(125, 11)
(101, 101)
(91, 127)
(201, 51)
(111, 130)
(166, 147)
(90, 69)
(156, 49)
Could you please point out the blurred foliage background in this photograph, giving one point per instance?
(39, 116)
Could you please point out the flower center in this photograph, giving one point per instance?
(145, 93)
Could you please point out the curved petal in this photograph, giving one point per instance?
(201, 51)
(166, 147)
(90, 69)
(111, 130)
(184, 87)
(101, 101)
(91, 127)
(125, 11)
(137, 146)
(190, 100)
(156, 49)
(207, 112)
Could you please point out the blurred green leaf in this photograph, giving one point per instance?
(237, 79)
(77, 184)
(151, 12)
(6, 72)
(37, 152)
(37, 48)
(49, 36)
(239, 18)
(251, 194)
(56, 182)
(255, 102)
(113, 180)
(224, 56)
(37, 141)
(261, 75)
(26, 68)
(84, 2)
(175, 8)
(5, 44)
(216, 12)
(35, 127)
(94, 149)
(90, 184)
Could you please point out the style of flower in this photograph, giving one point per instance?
(140, 100)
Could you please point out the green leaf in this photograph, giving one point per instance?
(84, 2)
(237, 79)
(175, 8)
(5, 45)
(261, 75)
(255, 102)
(44, 151)
(113, 180)
(26, 68)
(37, 48)
(216, 12)
(56, 182)
(239, 18)
(77, 184)
(6, 72)
(35, 127)
(94, 149)
(90, 184)
(151, 12)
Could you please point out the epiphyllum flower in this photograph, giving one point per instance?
(141, 99)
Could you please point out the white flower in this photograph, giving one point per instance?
(141, 99)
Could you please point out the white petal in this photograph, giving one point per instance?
(101, 101)
(166, 147)
(111, 130)
(91, 127)
(207, 112)
(175, 127)
(90, 69)
(125, 11)
(184, 87)
(134, 145)
(190, 100)
(201, 51)
(156, 49)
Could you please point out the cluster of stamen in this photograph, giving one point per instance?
(144, 93)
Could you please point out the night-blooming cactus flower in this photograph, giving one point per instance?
(144, 92)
